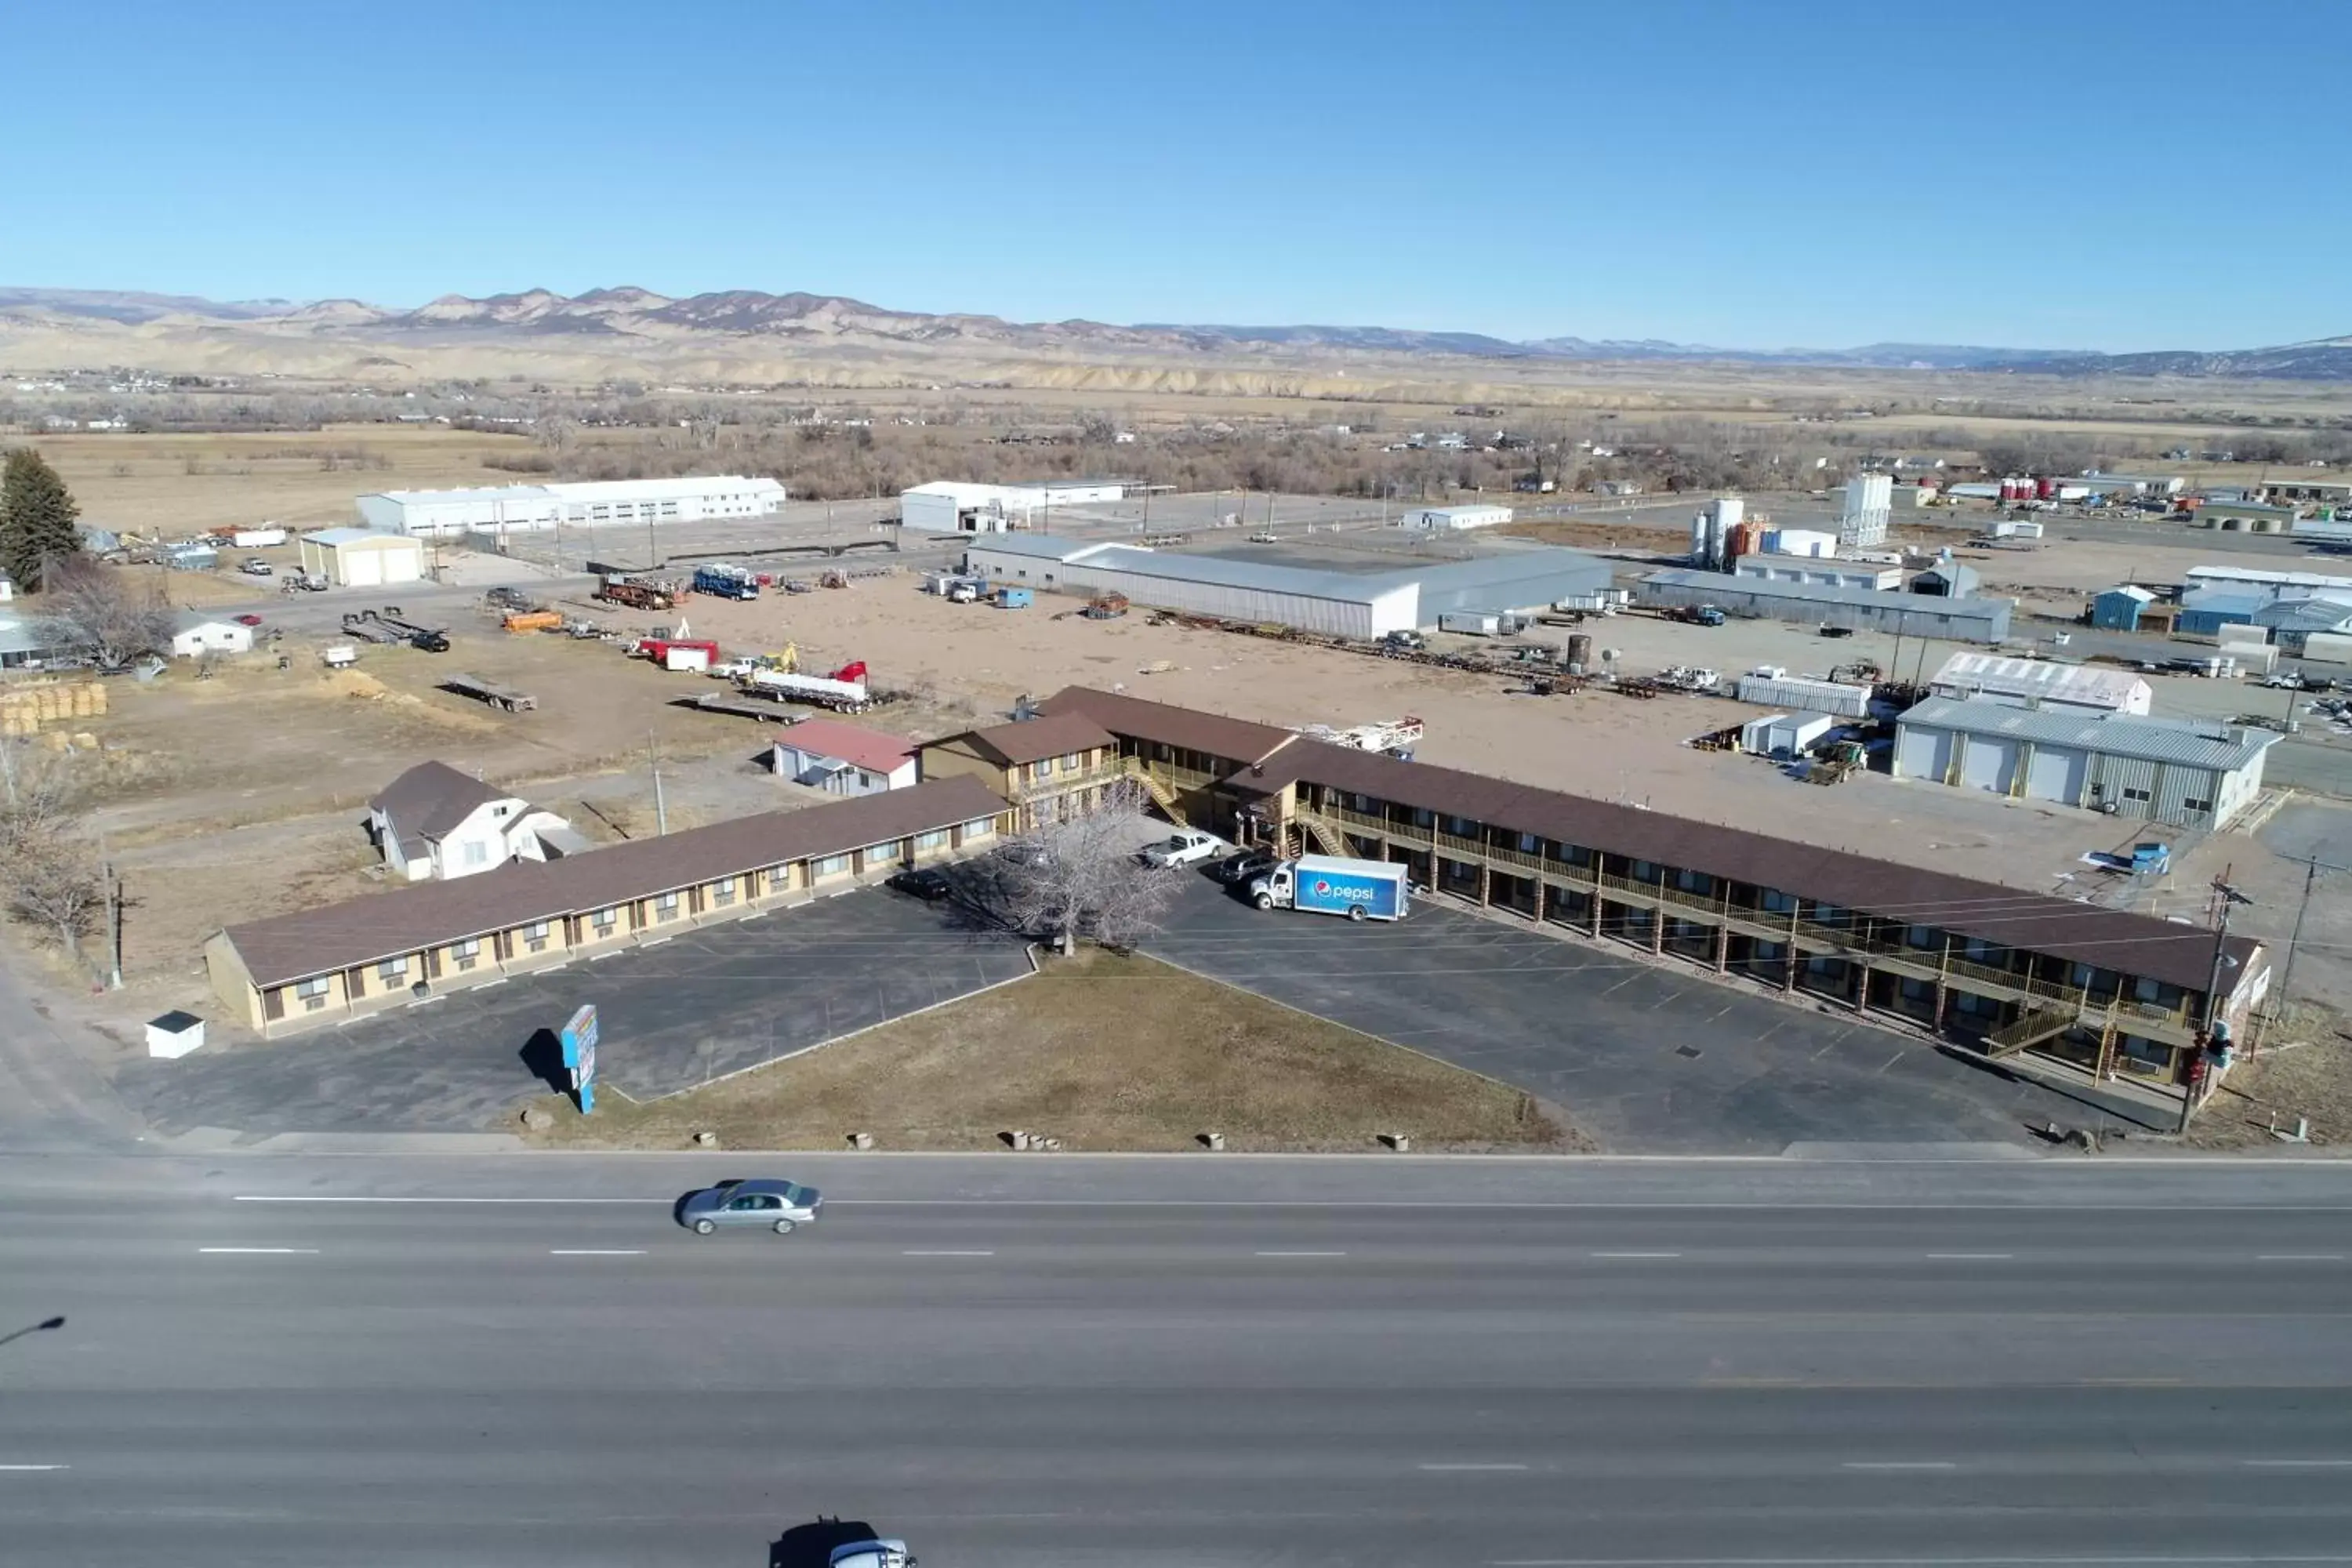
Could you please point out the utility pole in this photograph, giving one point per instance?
(661, 808)
(2229, 898)
(2312, 867)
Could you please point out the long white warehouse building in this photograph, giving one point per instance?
(959, 506)
(1347, 604)
(520, 509)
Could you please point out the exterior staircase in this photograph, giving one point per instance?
(1327, 838)
(2031, 1029)
(1157, 788)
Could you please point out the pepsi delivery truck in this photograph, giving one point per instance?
(1359, 889)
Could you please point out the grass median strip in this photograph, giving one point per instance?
(1101, 1052)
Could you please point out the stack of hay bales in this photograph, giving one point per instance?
(24, 708)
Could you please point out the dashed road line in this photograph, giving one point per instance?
(267, 1251)
(595, 1252)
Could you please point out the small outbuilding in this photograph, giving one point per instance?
(201, 635)
(843, 759)
(1950, 581)
(362, 558)
(1446, 519)
(2119, 609)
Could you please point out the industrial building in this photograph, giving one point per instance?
(1445, 519)
(1712, 530)
(1859, 609)
(2292, 623)
(956, 506)
(1948, 580)
(2121, 609)
(2038, 683)
(1831, 573)
(2205, 611)
(362, 557)
(2271, 584)
(1344, 602)
(2195, 774)
(198, 633)
(1868, 506)
(523, 509)
(2008, 969)
(2307, 492)
(1768, 685)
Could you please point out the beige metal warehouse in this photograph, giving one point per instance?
(362, 558)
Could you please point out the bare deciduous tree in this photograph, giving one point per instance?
(55, 880)
(36, 795)
(1080, 877)
(95, 607)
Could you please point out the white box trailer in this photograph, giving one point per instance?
(1478, 623)
(1784, 734)
(2328, 647)
(257, 538)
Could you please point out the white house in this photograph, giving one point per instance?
(1441, 518)
(843, 759)
(200, 634)
(434, 822)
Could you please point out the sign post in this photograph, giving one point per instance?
(579, 1039)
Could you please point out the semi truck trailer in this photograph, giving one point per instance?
(1327, 885)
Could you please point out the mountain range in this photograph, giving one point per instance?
(741, 327)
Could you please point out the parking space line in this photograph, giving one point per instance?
(657, 942)
(1892, 1061)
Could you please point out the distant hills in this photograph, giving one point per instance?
(742, 327)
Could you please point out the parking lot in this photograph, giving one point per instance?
(1646, 1059)
(710, 1001)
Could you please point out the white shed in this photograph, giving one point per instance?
(1784, 734)
(1441, 518)
(201, 635)
(362, 558)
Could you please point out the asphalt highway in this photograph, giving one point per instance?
(523, 1361)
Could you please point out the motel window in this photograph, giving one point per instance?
(1461, 827)
(935, 839)
(723, 891)
(1695, 881)
(603, 920)
(469, 948)
(833, 865)
(666, 904)
(1777, 901)
(393, 972)
(311, 990)
(1921, 936)
(1643, 871)
(1918, 990)
(978, 825)
(1072, 762)
(1529, 844)
(535, 931)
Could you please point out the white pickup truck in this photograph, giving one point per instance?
(1186, 848)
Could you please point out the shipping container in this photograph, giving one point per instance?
(257, 538)
(1785, 735)
(1471, 623)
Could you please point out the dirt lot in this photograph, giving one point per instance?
(2305, 1073)
(1100, 1052)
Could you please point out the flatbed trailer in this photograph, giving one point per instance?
(491, 692)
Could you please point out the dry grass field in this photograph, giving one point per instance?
(1102, 1053)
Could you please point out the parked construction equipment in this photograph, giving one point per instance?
(721, 580)
(637, 593)
(533, 621)
(1106, 608)
(1388, 735)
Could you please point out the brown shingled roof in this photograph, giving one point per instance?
(385, 925)
(2139, 945)
(1236, 740)
(432, 798)
(1049, 735)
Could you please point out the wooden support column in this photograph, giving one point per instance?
(1658, 917)
(1943, 986)
(1485, 879)
(1788, 981)
(1723, 932)
(1596, 895)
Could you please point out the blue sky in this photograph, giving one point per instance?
(1744, 172)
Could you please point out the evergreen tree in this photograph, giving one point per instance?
(36, 519)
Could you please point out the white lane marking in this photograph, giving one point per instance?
(1445, 1469)
(1900, 1465)
(2297, 1464)
(2235, 1560)
(1970, 1256)
(272, 1251)
(595, 1252)
(2300, 1257)
(36, 1467)
(307, 1197)
(944, 1252)
(1636, 1255)
(1302, 1255)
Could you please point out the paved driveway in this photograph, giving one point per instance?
(710, 1001)
(1645, 1058)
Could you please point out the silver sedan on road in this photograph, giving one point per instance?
(778, 1205)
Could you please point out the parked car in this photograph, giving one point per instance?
(928, 883)
(248, 620)
(772, 1204)
(508, 599)
(254, 566)
(1246, 865)
(1185, 849)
